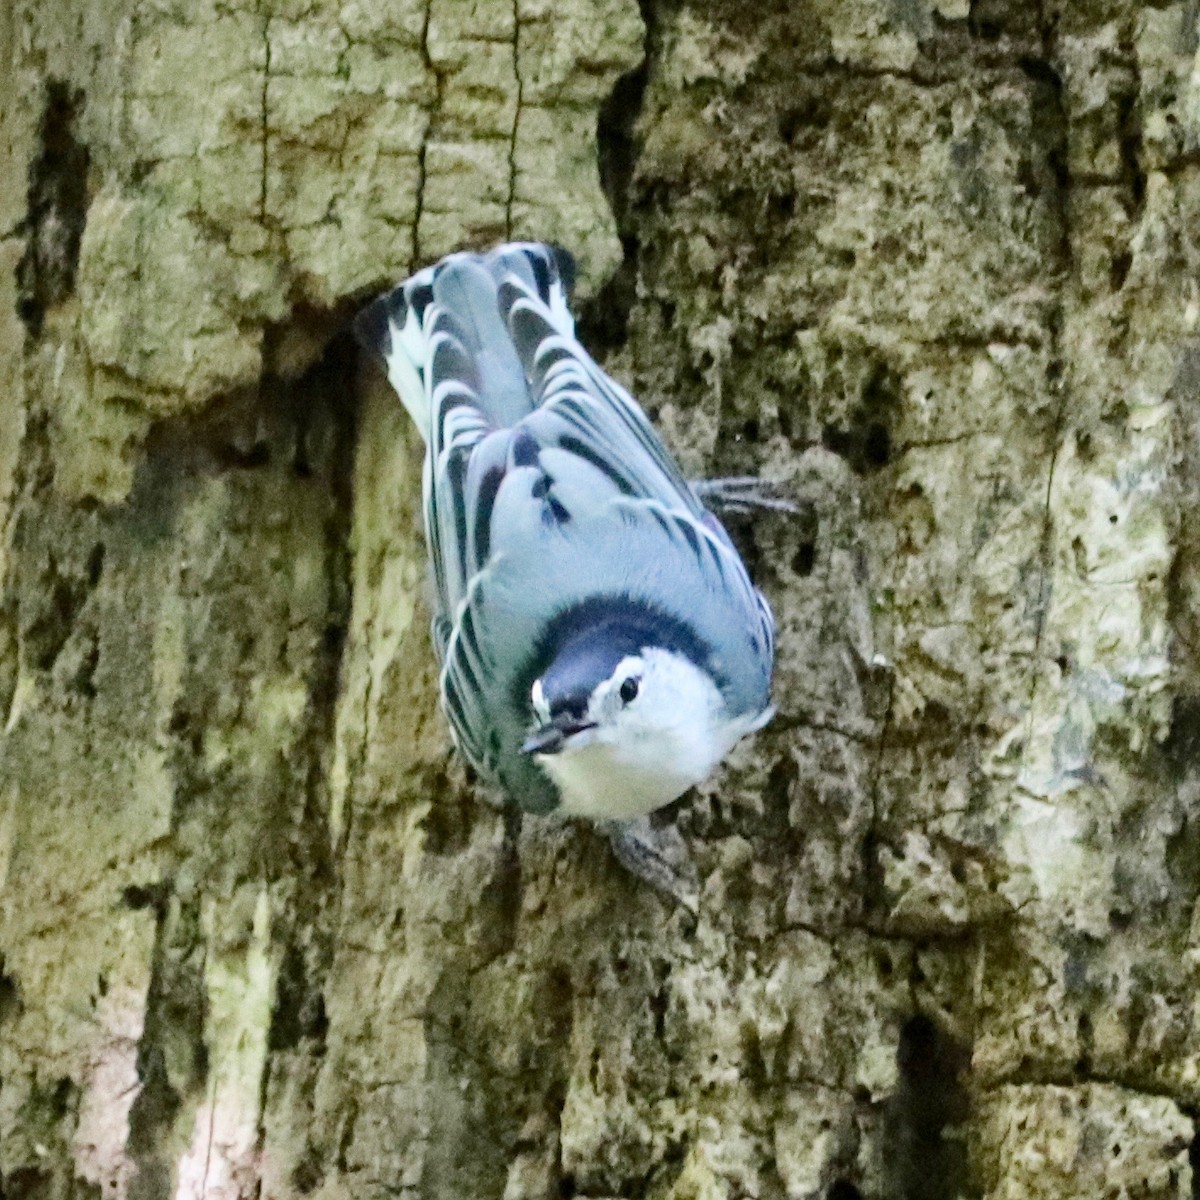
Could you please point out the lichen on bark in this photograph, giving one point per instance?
(929, 265)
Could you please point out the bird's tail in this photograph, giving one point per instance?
(444, 334)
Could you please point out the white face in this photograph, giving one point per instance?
(614, 703)
(659, 726)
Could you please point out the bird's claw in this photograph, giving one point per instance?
(657, 856)
(744, 494)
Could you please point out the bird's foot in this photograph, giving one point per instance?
(744, 494)
(658, 857)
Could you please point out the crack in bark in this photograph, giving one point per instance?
(516, 123)
(872, 868)
(1073, 1080)
(954, 439)
(264, 121)
(208, 1144)
(1129, 129)
(784, 723)
(1044, 76)
(414, 262)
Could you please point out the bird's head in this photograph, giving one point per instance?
(643, 695)
(623, 725)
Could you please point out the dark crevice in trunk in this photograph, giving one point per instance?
(284, 455)
(604, 319)
(842, 1189)
(923, 1160)
(57, 202)
(323, 406)
(176, 1011)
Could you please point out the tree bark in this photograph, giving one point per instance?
(932, 266)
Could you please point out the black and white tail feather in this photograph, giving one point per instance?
(482, 352)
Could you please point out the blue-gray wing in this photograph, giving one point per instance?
(448, 351)
(584, 412)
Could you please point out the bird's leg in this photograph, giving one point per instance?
(658, 857)
(743, 494)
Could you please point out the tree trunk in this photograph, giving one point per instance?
(932, 266)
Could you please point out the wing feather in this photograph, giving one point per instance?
(571, 391)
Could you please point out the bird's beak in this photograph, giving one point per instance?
(552, 737)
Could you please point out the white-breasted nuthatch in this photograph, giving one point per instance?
(602, 646)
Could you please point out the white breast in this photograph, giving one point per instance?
(605, 782)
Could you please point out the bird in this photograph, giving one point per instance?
(602, 646)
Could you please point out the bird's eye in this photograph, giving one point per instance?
(629, 689)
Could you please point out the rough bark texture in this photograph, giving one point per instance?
(933, 265)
